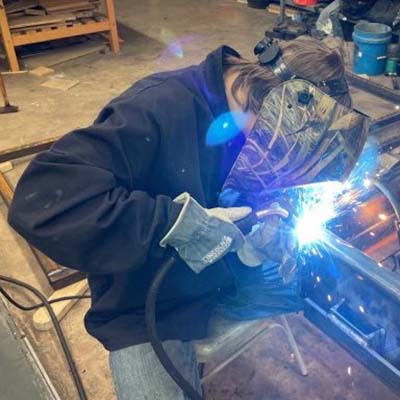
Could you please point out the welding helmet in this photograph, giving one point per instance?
(302, 135)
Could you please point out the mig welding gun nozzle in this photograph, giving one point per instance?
(246, 224)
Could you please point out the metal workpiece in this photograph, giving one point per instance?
(385, 122)
(353, 343)
(372, 87)
(351, 279)
(362, 264)
(386, 132)
(356, 301)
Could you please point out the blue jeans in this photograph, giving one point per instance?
(138, 375)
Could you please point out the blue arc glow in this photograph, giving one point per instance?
(226, 127)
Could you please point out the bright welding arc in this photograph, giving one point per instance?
(315, 209)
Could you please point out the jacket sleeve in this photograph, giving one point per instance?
(84, 202)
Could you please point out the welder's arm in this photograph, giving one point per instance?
(81, 204)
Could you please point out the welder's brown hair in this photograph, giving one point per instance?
(306, 57)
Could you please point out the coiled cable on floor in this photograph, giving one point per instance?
(60, 334)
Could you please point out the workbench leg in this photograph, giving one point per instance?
(7, 39)
(114, 39)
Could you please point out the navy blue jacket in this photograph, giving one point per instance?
(100, 200)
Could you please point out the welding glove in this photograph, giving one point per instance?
(272, 241)
(202, 236)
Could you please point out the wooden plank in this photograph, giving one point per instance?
(84, 14)
(59, 33)
(33, 21)
(6, 191)
(56, 6)
(24, 71)
(56, 3)
(6, 166)
(41, 71)
(20, 5)
(34, 11)
(26, 30)
(26, 149)
(7, 39)
(41, 318)
(89, 7)
(18, 14)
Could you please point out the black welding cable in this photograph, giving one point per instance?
(39, 305)
(68, 355)
(154, 339)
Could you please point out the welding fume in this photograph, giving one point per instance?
(195, 193)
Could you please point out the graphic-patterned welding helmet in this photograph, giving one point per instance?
(301, 136)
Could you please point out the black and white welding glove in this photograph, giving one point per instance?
(203, 236)
(272, 240)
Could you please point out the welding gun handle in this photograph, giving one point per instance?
(247, 223)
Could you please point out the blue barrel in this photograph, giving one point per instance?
(371, 42)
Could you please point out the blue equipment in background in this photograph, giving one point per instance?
(371, 41)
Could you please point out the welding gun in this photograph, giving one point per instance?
(283, 201)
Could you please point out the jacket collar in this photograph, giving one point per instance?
(213, 86)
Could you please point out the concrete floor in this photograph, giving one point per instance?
(150, 30)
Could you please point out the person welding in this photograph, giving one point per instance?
(173, 162)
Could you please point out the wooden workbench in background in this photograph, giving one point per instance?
(24, 22)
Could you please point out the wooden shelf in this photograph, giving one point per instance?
(59, 32)
(13, 38)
